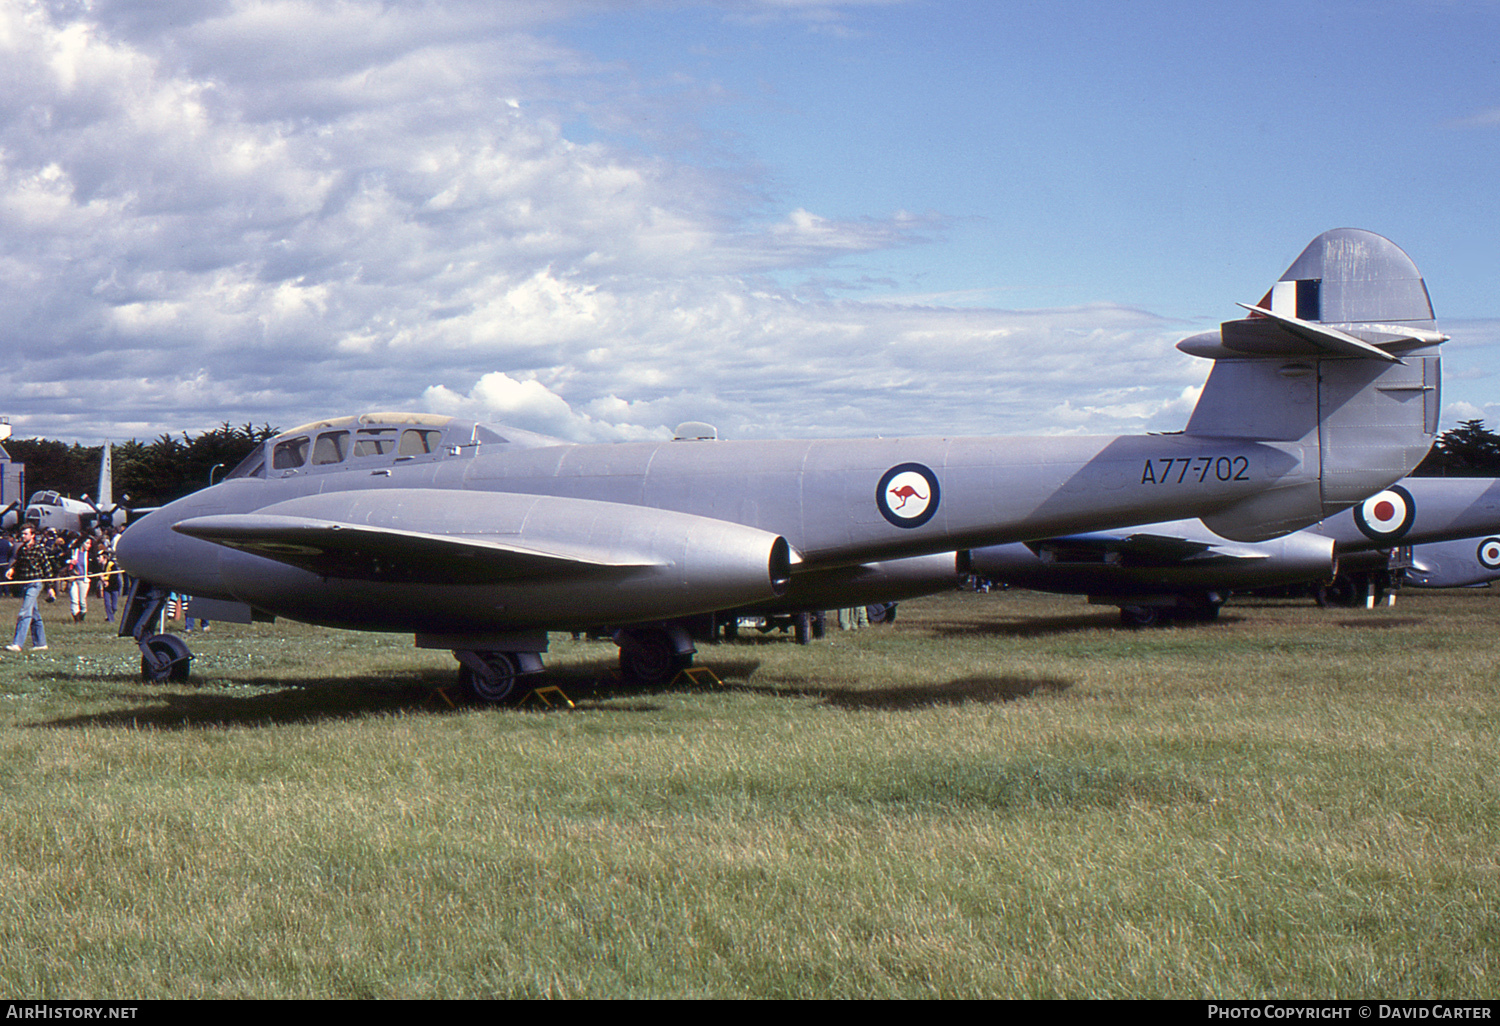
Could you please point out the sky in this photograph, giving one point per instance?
(788, 218)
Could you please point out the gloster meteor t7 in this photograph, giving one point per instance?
(481, 539)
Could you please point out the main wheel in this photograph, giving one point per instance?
(1140, 616)
(1200, 609)
(499, 681)
(1342, 592)
(165, 658)
(649, 657)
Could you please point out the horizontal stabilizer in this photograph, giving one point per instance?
(363, 552)
(1350, 295)
(1321, 336)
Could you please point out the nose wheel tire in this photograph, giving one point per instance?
(164, 657)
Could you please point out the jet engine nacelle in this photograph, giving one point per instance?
(454, 562)
(891, 580)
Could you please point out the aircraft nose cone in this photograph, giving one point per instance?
(138, 550)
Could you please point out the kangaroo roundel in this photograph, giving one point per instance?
(908, 495)
(1387, 515)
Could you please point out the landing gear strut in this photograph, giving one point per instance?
(164, 657)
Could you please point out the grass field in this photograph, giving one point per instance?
(1000, 795)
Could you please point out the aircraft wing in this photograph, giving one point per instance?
(1145, 548)
(373, 553)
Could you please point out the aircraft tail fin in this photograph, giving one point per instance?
(106, 492)
(1340, 357)
(1350, 294)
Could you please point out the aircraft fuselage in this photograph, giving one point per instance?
(837, 502)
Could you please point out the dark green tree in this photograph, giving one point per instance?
(170, 468)
(145, 474)
(56, 466)
(1469, 450)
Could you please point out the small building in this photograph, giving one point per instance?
(12, 482)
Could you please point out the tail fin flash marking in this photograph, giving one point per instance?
(1299, 298)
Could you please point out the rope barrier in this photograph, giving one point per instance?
(5, 581)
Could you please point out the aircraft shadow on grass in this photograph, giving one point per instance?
(966, 691)
(314, 699)
(1046, 626)
(318, 699)
(1383, 624)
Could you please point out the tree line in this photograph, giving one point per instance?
(150, 473)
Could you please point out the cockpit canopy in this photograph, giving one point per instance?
(370, 440)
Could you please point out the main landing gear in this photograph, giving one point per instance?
(495, 677)
(1199, 608)
(651, 655)
(1361, 588)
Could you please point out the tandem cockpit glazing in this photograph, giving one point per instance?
(368, 441)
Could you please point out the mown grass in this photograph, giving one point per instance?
(1001, 795)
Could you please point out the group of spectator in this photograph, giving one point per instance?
(38, 562)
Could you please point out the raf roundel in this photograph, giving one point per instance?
(908, 495)
(1387, 516)
(1489, 553)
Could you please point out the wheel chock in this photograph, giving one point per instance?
(443, 694)
(540, 695)
(692, 673)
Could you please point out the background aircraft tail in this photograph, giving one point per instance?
(1340, 359)
(106, 492)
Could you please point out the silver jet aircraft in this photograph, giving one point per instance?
(1182, 570)
(1462, 563)
(480, 539)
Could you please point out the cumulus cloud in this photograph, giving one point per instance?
(528, 404)
(274, 210)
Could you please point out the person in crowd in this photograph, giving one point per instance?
(33, 566)
(109, 575)
(80, 565)
(7, 549)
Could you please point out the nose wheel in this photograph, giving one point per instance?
(164, 657)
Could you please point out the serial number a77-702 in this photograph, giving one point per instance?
(1195, 469)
